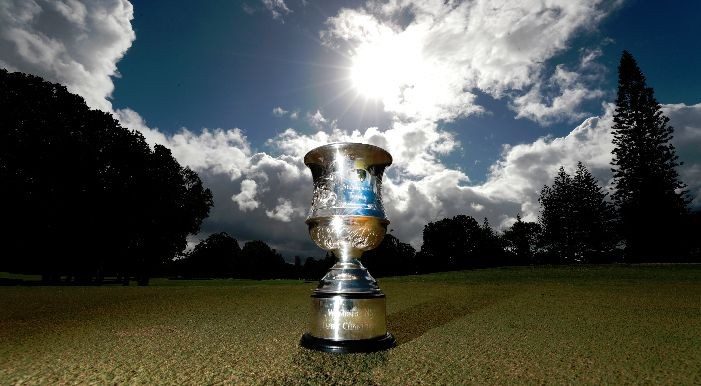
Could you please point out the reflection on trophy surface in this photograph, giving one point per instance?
(347, 218)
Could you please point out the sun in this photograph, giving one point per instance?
(371, 73)
(380, 69)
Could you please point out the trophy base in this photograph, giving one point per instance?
(379, 343)
(348, 323)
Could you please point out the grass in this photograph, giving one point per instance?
(614, 324)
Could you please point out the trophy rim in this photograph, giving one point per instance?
(376, 154)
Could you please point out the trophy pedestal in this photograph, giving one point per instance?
(350, 321)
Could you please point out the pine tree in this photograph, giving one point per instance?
(576, 218)
(594, 216)
(649, 196)
(555, 217)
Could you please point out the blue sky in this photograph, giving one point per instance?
(478, 101)
(215, 65)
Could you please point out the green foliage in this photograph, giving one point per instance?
(99, 199)
(649, 195)
(576, 218)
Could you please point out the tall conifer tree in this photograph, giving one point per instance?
(593, 216)
(650, 198)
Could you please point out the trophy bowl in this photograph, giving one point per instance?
(347, 218)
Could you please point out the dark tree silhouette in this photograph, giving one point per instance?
(691, 235)
(81, 195)
(522, 241)
(576, 219)
(314, 269)
(262, 262)
(448, 243)
(458, 243)
(219, 255)
(391, 257)
(490, 250)
(650, 198)
(595, 233)
(179, 203)
(556, 219)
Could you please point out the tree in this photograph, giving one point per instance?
(80, 195)
(315, 269)
(216, 256)
(262, 262)
(576, 218)
(458, 243)
(650, 198)
(391, 257)
(556, 218)
(595, 219)
(522, 240)
(490, 250)
(448, 244)
(178, 202)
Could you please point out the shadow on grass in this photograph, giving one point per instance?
(410, 323)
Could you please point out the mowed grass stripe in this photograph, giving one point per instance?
(613, 324)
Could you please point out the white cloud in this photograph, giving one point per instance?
(317, 120)
(277, 8)
(570, 91)
(66, 41)
(214, 150)
(284, 211)
(446, 51)
(279, 111)
(131, 119)
(247, 198)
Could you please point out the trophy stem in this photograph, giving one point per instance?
(347, 254)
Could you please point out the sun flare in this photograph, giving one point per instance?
(381, 69)
(371, 74)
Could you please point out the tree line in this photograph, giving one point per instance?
(82, 197)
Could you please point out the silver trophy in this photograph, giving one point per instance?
(347, 218)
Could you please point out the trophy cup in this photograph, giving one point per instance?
(347, 218)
